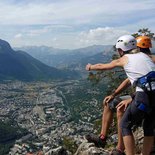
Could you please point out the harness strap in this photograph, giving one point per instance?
(144, 80)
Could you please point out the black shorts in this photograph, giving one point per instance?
(134, 115)
(116, 101)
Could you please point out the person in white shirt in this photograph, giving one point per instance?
(135, 65)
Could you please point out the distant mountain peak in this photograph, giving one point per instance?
(18, 65)
(5, 46)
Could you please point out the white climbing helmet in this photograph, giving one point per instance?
(126, 43)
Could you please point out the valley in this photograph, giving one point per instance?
(50, 112)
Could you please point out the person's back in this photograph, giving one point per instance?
(138, 65)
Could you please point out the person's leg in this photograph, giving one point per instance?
(126, 125)
(153, 148)
(100, 141)
(147, 145)
(148, 127)
(134, 115)
(108, 113)
(107, 117)
(129, 144)
(120, 144)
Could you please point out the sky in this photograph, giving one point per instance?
(71, 24)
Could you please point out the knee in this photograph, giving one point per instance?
(120, 114)
(105, 106)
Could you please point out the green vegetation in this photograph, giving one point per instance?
(4, 148)
(69, 144)
(146, 32)
(8, 134)
(83, 100)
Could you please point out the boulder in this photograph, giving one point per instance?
(89, 149)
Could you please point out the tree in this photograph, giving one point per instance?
(145, 32)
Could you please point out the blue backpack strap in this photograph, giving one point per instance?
(146, 79)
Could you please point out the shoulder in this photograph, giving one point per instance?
(124, 59)
(121, 61)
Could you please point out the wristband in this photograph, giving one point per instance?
(89, 67)
(113, 94)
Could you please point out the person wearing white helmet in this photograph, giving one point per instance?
(126, 43)
(135, 66)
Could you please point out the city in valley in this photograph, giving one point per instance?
(49, 112)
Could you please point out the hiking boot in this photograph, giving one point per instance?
(117, 152)
(98, 141)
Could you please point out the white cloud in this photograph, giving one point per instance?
(103, 36)
(43, 30)
(18, 36)
(73, 23)
(49, 12)
(36, 32)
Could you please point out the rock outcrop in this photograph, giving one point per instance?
(89, 149)
(86, 148)
(58, 151)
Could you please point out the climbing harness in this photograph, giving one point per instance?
(145, 82)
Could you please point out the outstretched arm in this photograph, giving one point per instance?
(115, 63)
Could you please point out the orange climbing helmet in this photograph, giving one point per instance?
(144, 42)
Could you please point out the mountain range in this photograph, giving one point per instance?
(45, 63)
(63, 58)
(75, 59)
(18, 65)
